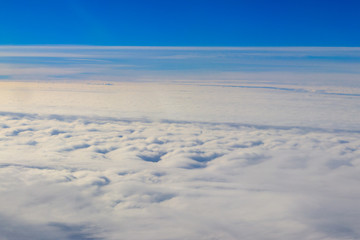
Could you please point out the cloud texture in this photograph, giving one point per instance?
(88, 178)
(202, 143)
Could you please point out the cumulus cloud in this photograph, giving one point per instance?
(271, 155)
(97, 178)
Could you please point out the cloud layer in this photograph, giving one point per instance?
(89, 178)
(202, 143)
(337, 66)
(251, 104)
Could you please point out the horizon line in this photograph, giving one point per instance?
(224, 48)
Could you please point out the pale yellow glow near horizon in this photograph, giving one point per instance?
(181, 102)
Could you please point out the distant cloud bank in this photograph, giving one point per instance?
(282, 65)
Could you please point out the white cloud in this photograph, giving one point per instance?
(234, 103)
(267, 157)
(111, 179)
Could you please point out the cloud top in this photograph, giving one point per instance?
(83, 178)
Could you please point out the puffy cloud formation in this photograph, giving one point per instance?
(95, 178)
(140, 143)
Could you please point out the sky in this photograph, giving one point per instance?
(178, 120)
(180, 23)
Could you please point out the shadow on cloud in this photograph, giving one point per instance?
(141, 179)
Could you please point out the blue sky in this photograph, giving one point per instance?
(180, 23)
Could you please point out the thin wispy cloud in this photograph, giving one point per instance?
(273, 64)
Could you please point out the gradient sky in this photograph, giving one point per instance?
(181, 23)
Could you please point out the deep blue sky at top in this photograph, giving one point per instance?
(181, 23)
